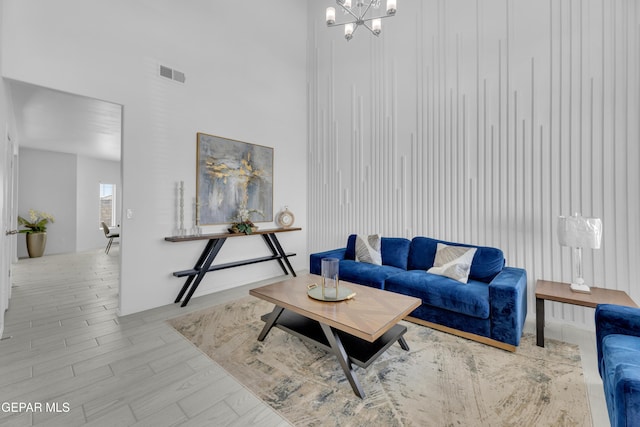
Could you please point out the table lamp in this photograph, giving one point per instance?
(578, 232)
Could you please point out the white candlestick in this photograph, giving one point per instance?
(181, 206)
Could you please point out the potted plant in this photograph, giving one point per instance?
(242, 222)
(36, 231)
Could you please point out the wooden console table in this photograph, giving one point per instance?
(215, 241)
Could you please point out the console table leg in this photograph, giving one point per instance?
(539, 322)
(274, 252)
(271, 321)
(343, 358)
(204, 268)
(203, 257)
(282, 253)
(184, 288)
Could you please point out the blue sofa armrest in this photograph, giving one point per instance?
(315, 260)
(615, 319)
(508, 304)
(626, 396)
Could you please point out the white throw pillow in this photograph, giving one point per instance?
(368, 249)
(453, 262)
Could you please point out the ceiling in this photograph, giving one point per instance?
(51, 120)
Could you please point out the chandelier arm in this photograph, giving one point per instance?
(367, 9)
(376, 17)
(356, 17)
(337, 24)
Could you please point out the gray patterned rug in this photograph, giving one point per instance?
(442, 381)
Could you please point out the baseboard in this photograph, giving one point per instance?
(467, 335)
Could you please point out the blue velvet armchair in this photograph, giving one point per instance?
(618, 344)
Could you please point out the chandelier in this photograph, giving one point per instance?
(359, 15)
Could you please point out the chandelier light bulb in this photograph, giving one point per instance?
(376, 26)
(391, 7)
(347, 4)
(331, 15)
(348, 31)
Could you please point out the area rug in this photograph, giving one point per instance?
(443, 380)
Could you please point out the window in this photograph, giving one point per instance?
(107, 205)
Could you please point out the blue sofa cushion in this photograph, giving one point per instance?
(487, 262)
(366, 274)
(471, 299)
(395, 251)
(621, 377)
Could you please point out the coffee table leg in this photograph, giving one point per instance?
(539, 322)
(271, 321)
(403, 344)
(343, 358)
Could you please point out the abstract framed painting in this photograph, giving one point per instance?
(233, 175)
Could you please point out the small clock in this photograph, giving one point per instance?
(285, 218)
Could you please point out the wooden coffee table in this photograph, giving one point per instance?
(560, 292)
(357, 331)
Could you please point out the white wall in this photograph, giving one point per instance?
(481, 122)
(47, 182)
(246, 79)
(91, 173)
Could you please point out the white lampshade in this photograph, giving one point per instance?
(347, 4)
(579, 232)
(331, 15)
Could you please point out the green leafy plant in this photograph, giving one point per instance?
(36, 223)
(241, 222)
(243, 227)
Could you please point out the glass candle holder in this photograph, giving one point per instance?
(330, 267)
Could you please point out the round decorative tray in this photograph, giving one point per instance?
(315, 292)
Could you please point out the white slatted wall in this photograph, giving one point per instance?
(480, 122)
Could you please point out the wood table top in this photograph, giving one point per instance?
(561, 292)
(368, 315)
(192, 237)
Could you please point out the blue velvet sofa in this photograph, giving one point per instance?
(618, 344)
(490, 308)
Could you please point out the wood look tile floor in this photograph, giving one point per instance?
(65, 348)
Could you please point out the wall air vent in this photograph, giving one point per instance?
(178, 76)
(172, 74)
(166, 72)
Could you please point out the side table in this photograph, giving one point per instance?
(560, 292)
